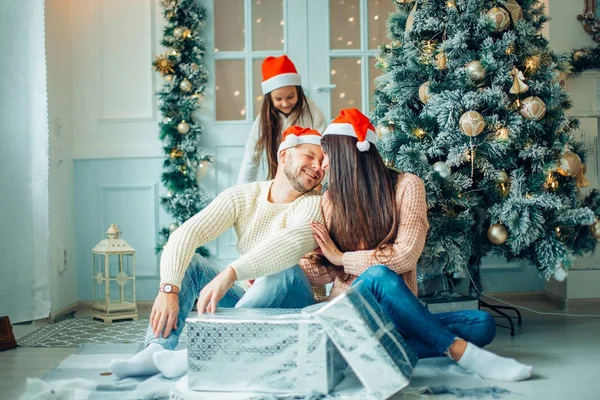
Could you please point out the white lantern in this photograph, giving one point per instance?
(113, 277)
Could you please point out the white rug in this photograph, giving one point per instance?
(84, 375)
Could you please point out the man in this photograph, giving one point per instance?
(272, 222)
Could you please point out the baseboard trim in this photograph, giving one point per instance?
(63, 313)
(142, 306)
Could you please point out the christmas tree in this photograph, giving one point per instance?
(185, 77)
(471, 100)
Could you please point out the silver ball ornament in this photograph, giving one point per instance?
(173, 227)
(497, 234)
(475, 70)
(178, 32)
(442, 169)
(183, 127)
(502, 177)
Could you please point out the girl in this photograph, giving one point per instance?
(284, 105)
(377, 216)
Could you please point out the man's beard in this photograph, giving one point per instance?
(294, 179)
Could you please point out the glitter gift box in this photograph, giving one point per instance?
(368, 341)
(261, 350)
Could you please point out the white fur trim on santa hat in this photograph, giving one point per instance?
(348, 130)
(281, 80)
(293, 140)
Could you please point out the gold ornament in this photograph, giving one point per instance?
(533, 108)
(163, 65)
(424, 94)
(186, 33)
(501, 177)
(173, 227)
(176, 153)
(185, 85)
(519, 86)
(578, 54)
(561, 79)
(497, 234)
(183, 127)
(410, 21)
(441, 61)
(501, 18)
(178, 32)
(514, 9)
(595, 229)
(569, 164)
(581, 179)
(475, 70)
(471, 123)
(194, 67)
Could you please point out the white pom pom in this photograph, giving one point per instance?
(363, 146)
(292, 140)
(560, 274)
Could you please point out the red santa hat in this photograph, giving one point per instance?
(352, 122)
(279, 72)
(295, 135)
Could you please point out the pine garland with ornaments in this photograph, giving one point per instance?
(185, 78)
(471, 100)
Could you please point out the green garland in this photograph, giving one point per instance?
(585, 59)
(182, 67)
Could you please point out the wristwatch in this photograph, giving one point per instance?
(168, 288)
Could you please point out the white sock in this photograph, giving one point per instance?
(171, 363)
(141, 364)
(491, 366)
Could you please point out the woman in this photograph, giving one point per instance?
(376, 229)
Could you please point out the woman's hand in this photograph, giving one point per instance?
(328, 248)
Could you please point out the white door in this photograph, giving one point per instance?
(344, 37)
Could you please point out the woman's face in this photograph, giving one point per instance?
(325, 163)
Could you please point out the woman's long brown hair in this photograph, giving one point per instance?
(269, 137)
(362, 192)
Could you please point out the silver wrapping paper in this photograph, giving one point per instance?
(368, 340)
(261, 350)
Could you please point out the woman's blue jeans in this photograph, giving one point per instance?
(287, 289)
(429, 335)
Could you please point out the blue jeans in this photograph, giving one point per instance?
(289, 288)
(429, 335)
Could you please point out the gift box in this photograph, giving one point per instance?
(368, 340)
(261, 350)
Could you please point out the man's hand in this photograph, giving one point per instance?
(328, 248)
(165, 312)
(212, 293)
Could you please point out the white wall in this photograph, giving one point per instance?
(60, 105)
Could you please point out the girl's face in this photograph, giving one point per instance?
(325, 163)
(285, 98)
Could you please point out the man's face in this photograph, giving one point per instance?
(303, 167)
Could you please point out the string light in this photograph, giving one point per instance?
(450, 4)
(532, 63)
(419, 132)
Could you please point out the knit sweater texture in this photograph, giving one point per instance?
(255, 167)
(405, 252)
(271, 237)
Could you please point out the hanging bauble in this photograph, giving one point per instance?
(497, 234)
(569, 164)
(475, 70)
(424, 94)
(533, 108)
(561, 79)
(595, 229)
(578, 54)
(178, 32)
(442, 169)
(501, 177)
(441, 61)
(183, 127)
(519, 86)
(514, 9)
(501, 18)
(173, 227)
(185, 85)
(471, 123)
(194, 67)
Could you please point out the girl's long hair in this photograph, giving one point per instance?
(269, 137)
(363, 195)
